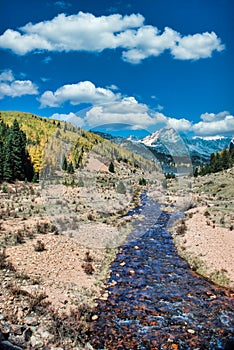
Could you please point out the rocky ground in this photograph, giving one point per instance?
(50, 280)
(57, 240)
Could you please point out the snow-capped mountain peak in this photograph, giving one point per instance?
(165, 134)
(168, 142)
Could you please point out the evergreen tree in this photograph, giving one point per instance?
(8, 174)
(111, 167)
(64, 163)
(226, 159)
(15, 162)
(70, 168)
(196, 172)
(17, 139)
(142, 181)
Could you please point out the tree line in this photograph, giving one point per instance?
(15, 163)
(218, 161)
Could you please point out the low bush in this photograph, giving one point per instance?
(39, 246)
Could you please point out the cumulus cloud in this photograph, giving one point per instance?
(70, 118)
(6, 76)
(182, 125)
(109, 108)
(15, 88)
(194, 47)
(134, 114)
(82, 92)
(215, 124)
(211, 117)
(127, 111)
(85, 32)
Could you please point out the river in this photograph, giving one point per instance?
(153, 299)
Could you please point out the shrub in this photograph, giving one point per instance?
(4, 189)
(88, 268)
(72, 326)
(39, 246)
(19, 237)
(142, 181)
(3, 261)
(90, 217)
(88, 257)
(120, 188)
(181, 228)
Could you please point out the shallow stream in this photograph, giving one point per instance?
(155, 301)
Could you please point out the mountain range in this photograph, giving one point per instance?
(169, 148)
(167, 141)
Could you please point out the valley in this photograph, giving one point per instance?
(60, 235)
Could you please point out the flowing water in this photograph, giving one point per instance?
(155, 301)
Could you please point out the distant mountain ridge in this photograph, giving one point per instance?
(169, 147)
(168, 142)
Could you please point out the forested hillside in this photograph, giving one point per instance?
(48, 142)
(218, 161)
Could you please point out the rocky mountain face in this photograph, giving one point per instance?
(169, 148)
(166, 143)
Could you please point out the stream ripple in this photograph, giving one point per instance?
(155, 301)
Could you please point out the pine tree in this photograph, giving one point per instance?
(111, 167)
(225, 159)
(18, 143)
(64, 163)
(15, 162)
(196, 172)
(70, 168)
(8, 174)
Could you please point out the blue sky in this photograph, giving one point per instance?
(145, 63)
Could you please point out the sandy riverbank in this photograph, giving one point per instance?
(208, 248)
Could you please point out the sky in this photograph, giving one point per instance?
(145, 64)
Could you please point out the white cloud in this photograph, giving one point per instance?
(194, 47)
(70, 118)
(160, 107)
(130, 112)
(109, 107)
(180, 124)
(82, 92)
(211, 117)
(22, 44)
(113, 87)
(127, 111)
(15, 88)
(215, 124)
(6, 76)
(85, 32)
